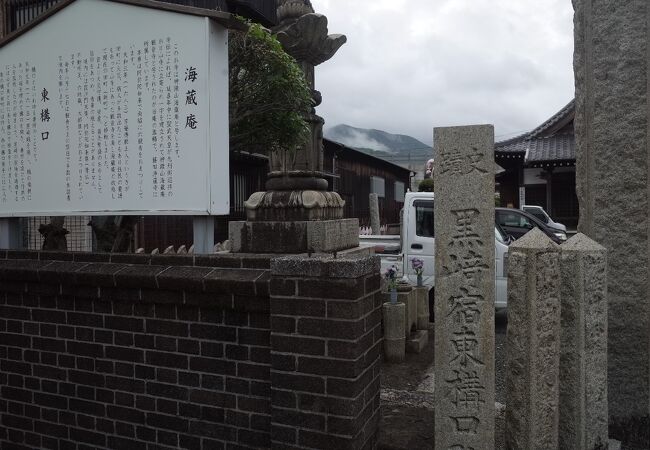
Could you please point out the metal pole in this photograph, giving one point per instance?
(10, 235)
(203, 234)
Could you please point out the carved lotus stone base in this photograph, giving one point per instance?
(318, 236)
(287, 206)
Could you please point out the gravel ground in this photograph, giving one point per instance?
(407, 396)
(416, 373)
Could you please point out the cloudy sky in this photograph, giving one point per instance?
(410, 65)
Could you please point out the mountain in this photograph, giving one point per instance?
(377, 142)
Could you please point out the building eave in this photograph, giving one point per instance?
(225, 19)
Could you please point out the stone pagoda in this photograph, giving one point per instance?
(297, 213)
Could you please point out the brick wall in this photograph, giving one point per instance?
(326, 342)
(162, 352)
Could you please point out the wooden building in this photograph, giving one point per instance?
(540, 168)
(356, 175)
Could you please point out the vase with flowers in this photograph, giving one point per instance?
(391, 279)
(418, 267)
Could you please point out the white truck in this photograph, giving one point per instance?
(417, 240)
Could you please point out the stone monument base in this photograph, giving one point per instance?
(417, 341)
(318, 236)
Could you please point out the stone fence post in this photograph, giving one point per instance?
(583, 358)
(533, 342)
(326, 343)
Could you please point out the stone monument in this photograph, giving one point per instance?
(464, 290)
(611, 65)
(54, 235)
(296, 213)
(583, 354)
(533, 341)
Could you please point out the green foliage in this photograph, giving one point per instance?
(426, 185)
(269, 95)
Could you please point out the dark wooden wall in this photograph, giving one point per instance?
(247, 175)
(354, 170)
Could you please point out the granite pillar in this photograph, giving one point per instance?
(374, 214)
(612, 119)
(464, 307)
(583, 355)
(533, 342)
(423, 307)
(406, 294)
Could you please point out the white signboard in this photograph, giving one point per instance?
(110, 108)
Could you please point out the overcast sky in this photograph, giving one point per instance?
(410, 65)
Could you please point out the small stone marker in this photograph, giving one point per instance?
(394, 339)
(374, 214)
(583, 356)
(533, 342)
(464, 288)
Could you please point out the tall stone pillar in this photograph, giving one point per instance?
(464, 331)
(583, 355)
(532, 378)
(612, 123)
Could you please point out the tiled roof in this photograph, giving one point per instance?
(541, 144)
(566, 113)
(553, 148)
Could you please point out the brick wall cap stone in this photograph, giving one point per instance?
(325, 265)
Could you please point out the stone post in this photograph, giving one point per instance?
(326, 343)
(533, 341)
(406, 295)
(464, 329)
(394, 339)
(583, 357)
(423, 307)
(374, 214)
(612, 68)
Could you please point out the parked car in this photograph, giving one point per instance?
(542, 215)
(516, 223)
